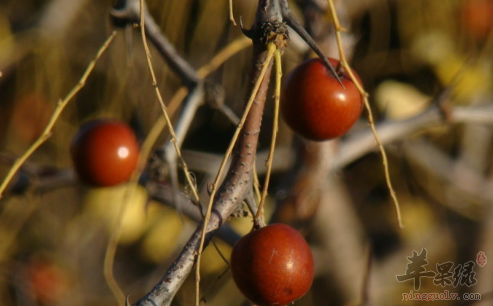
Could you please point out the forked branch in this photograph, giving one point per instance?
(234, 187)
(127, 12)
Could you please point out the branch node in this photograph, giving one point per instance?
(275, 32)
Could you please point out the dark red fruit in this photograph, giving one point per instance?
(105, 152)
(477, 17)
(272, 265)
(315, 105)
(48, 282)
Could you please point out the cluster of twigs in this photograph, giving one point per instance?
(235, 179)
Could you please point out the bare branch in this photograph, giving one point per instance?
(362, 142)
(353, 147)
(231, 192)
(165, 195)
(127, 12)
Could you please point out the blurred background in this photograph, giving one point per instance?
(427, 66)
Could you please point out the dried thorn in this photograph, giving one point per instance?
(298, 28)
(247, 33)
(119, 17)
(125, 11)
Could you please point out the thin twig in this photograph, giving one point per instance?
(360, 143)
(132, 12)
(151, 138)
(223, 55)
(171, 151)
(275, 126)
(56, 114)
(164, 195)
(356, 145)
(252, 206)
(230, 196)
(371, 122)
(270, 53)
(193, 101)
(163, 106)
(231, 15)
(256, 184)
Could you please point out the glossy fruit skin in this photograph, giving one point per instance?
(315, 105)
(272, 265)
(104, 152)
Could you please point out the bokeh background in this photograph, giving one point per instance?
(410, 55)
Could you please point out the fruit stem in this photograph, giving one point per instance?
(231, 15)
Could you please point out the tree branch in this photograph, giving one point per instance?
(236, 184)
(127, 12)
(355, 146)
(230, 196)
(362, 142)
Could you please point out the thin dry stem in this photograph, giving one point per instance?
(160, 124)
(109, 259)
(223, 55)
(371, 122)
(256, 184)
(231, 16)
(56, 114)
(270, 53)
(275, 127)
(219, 59)
(163, 107)
(232, 48)
(384, 162)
